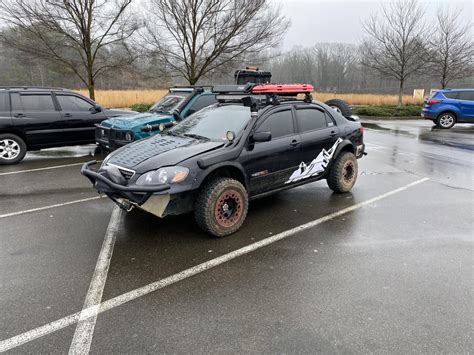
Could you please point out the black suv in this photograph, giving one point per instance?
(33, 118)
(252, 143)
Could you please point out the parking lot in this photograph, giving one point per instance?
(385, 268)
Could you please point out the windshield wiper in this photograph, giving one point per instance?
(197, 136)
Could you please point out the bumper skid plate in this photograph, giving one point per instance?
(124, 195)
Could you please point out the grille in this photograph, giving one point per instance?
(127, 174)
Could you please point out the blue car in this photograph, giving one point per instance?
(176, 105)
(450, 106)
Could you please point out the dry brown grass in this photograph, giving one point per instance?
(368, 99)
(126, 98)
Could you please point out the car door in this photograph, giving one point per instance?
(269, 164)
(466, 101)
(80, 117)
(38, 117)
(318, 133)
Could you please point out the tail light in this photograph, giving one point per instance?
(434, 101)
(361, 130)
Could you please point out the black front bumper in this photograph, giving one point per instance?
(103, 184)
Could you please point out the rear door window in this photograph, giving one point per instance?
(36, 102)
(4, 102)
(310, 119)
(466, 95)
(280, 124)
(451, 95)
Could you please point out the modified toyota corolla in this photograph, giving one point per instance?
(257, 140)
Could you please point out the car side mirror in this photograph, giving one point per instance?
(95, 108)
(177, 117)
(262, 137)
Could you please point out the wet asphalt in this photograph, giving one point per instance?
(393, 276)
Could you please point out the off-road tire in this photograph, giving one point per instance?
(210, 206)
(343, 173)
(340, 106)
(446, 120)
(17, 149)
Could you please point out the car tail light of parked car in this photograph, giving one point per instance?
(434, 101)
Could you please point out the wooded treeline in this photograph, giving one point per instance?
(103, 44)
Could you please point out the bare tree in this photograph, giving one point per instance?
(195, 38)
(395, 47)
(77, 34)
(451, 48)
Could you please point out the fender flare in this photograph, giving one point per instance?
(341, 147)
(209, 170)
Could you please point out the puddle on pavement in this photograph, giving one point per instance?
(370, 125)
(64, 152)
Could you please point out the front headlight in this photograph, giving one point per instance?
(168, 175)
(129, 136)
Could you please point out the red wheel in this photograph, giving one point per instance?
(221, 206)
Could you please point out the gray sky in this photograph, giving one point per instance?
(314, 21)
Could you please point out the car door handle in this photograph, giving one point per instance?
(294, 143)
(18, 115)
(67, 115)
(332, 134)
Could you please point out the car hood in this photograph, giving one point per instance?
(135, 120)
(158, 151)
(115, 113)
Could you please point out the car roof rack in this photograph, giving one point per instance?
(31, 87)
(259, 95)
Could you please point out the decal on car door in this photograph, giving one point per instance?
(316, 167)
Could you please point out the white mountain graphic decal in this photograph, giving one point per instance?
(316, 167)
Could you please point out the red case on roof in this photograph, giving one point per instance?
(282, 88)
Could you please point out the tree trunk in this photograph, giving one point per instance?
(91, 87)
(400, 94)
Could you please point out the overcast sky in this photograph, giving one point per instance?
(314, 21)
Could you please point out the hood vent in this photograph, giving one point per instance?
(134, 154)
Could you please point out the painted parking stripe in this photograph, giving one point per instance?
(82, 339)
(154, 286)
(49, 207)
(40, 169)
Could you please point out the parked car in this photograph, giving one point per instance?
(256, 141)
(448, 107)
(33, 118)
(178, 104)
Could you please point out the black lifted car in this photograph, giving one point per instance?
(257, 140)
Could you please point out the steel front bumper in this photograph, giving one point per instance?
(128, 196)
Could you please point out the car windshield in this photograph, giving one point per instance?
(169, 102)
(213, 122)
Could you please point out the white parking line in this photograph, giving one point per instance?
(39, 169)
(154, 286)
(82, 339)
(48, 207)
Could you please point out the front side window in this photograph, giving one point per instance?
(213, 122)
(39, 102)
(73, 103)
(202, 102)
(311, 119)
(279, 124)
(169, 102)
